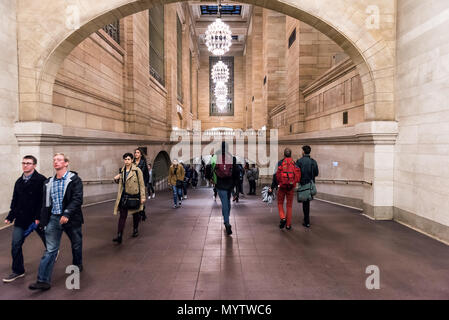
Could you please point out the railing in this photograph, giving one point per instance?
(267, 180)
(104, 181)
(342, 181)
(158, 185)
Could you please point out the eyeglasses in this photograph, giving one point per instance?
(27, 163)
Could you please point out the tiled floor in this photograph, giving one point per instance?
(185, 254)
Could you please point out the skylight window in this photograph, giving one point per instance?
(225, 10)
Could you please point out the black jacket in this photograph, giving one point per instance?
(144, 168)
(309, 169)
(230, 182)
(26, 201)
(71, 203)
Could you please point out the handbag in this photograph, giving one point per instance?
(307, 191)
(131, 201)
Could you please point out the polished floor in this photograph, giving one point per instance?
(185, 254)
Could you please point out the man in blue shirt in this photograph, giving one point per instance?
(61, 211)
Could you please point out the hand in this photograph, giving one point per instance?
(142, 201)
(117, 177)
(63, 220)
(37, 222)
(7, 222)
(270, 190)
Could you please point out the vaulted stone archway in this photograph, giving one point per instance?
(49, 30)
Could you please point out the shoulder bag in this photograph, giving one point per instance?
(131, 201)
(308, 191)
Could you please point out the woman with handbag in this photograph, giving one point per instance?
(130, 195)
(176, 175)
(141, 162)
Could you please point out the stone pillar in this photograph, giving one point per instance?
(274, 86)
(9, 102)
(258, 112)
(378, 200)
(170, 65)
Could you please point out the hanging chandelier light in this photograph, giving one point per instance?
(221, 102)
(218, 36)
(220, 72)
(221, 89)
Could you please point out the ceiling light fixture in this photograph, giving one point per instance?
(218, 36)
(221, 89)
(220, 72)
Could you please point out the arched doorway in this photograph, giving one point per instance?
(161, 164)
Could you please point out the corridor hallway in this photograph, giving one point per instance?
(185, 254)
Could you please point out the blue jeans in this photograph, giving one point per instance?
(225, 197)
(177, 195)
(18, 238)
(53, 233)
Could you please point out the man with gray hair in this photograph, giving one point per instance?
(61, 211)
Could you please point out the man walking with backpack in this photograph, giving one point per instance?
(286, 178)
(309, 170)
(225, 177)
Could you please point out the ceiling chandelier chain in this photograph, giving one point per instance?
(218, 41)
(218, 36)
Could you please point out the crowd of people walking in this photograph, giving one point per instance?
(53, 206)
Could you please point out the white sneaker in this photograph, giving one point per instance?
(153, 195)
(185, 197)
(149, 197)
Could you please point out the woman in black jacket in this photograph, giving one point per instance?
(141, 162)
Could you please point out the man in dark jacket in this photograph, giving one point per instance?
(309, 170)
(61, 211)
(25, 213)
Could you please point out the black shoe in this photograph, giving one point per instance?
(288, 227)
(307, 225)
(80, 267)
(228, 229)
(135, 233)
(13, 276)
(282, 224)
(39, 286)
(143, 215)
(118, 239)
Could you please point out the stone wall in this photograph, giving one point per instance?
(9, 103)
(421, 174)
(335, 92)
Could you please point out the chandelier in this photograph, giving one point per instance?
(221, 89)
(218, 37)
(221, 102)
(220, 72)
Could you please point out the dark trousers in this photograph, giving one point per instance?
(150, 188)
(185, 185)
(122, 220)
(53, 233)
(18, 238)
(306, 209)
(252, 187)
